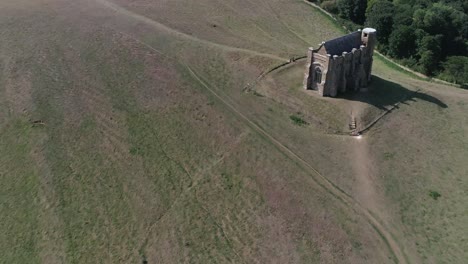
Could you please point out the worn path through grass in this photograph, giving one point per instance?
(177, 33)
(190, 168)
(319, 178)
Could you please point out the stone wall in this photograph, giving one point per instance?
(348, 71)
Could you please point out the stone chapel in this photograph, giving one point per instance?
(341, 64)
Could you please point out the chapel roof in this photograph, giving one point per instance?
(342, 44)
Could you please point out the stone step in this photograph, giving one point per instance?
(352, 125)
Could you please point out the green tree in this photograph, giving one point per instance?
(445, 20)
(380, 17)
(429, 51)
(427, 62)
(330, 6)
(437, 20)
(354, 10)
(403, 15)
(421, 33)
(402, 42)
(370, 4)
(455, 69)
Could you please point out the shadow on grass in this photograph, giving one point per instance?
(383, 93)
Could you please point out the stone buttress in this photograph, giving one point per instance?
(340, 65)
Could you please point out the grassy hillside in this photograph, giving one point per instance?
(126, 136)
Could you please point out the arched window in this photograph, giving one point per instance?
(318, 75)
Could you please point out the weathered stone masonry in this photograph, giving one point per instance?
(342, 64)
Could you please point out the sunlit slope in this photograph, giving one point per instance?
(134, 158)
(278, 27)
(422, 148)
(151, 149)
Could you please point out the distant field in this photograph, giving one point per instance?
(126, 136)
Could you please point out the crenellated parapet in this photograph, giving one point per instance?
(340, 65)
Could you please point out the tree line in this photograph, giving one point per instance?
(430, 36)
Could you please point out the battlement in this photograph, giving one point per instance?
(341, 64)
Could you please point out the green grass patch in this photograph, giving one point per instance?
(334, 21)
(389, 155)
(297, 120)
(19, 233)
(395, 67)
(434, 194)
(258, 94)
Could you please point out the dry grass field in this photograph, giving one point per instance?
(127, 136)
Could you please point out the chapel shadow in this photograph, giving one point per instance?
(383, 93)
